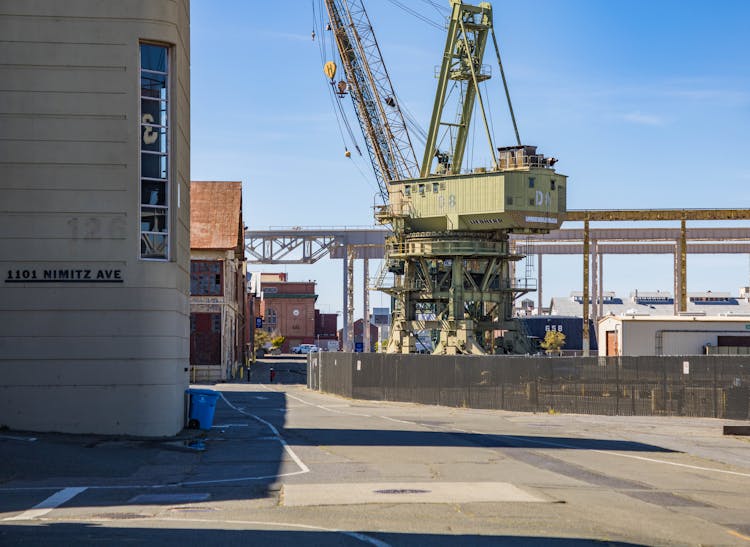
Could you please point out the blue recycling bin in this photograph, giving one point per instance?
(202, 408)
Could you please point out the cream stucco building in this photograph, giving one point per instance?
(668, 335)
(94, 214)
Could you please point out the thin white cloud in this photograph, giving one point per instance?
(639, 118)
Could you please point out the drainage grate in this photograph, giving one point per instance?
(120, 516)
(192, 509)
(171, 498)
(402, 491)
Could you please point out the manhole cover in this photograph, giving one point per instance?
(402, 491)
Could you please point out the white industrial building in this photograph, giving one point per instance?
(661, 303)
(645, 322)
(669, 335)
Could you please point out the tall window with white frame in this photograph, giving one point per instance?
(154, 146)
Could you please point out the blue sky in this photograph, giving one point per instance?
(646, 104)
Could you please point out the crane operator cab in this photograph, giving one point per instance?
(523, 194)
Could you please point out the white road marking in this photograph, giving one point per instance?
(14, 438)
(287, 448)
(398, 421)
(696, 467)
(276, 436)
(326, 408)
(157, 486)
(632, 456)
(529, 440)
(356, 535)
(55, 500)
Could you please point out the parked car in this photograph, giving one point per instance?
(305, 348)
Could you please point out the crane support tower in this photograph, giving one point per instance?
(450, 253)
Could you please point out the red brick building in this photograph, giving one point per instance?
(217, 281)
(287, 308)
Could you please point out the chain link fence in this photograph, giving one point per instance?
(701, 386)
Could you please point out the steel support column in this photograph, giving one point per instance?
(365, 307)
(345, 306)
(683, 266)
(350, 254)
(600, 258)
(539, 300)
(586, 341)
(595, 296)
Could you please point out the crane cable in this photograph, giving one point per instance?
(338, 109)
(416, 14)
(505, 85)
(336, 104)
(439, 8)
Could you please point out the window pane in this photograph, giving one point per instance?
(153, 193)
(154, 149)
(154, 166)
(154, 85)
(205, 278)
(153, 220)
(153, 246)
(153, 112)
(153, 139)
(154, 57)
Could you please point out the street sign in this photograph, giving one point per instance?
(258, 322)
(359, 347)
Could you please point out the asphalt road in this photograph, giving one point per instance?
(286, 466)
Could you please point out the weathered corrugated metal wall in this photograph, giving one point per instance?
(708, 386)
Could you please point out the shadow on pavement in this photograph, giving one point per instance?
(92, 534)
(385, 437)
(239, 458)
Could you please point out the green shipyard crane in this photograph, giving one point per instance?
(450, 252)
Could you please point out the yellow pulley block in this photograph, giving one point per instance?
(330, 69)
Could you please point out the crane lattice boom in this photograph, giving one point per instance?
(388, 143)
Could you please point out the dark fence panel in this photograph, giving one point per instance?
(708, 386)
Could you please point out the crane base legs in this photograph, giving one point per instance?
(453, 294)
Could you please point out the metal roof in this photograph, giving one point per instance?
(566, 305)
(216, 215)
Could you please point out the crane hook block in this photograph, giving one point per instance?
(330, 69)
(342, 87)
(348, 154)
